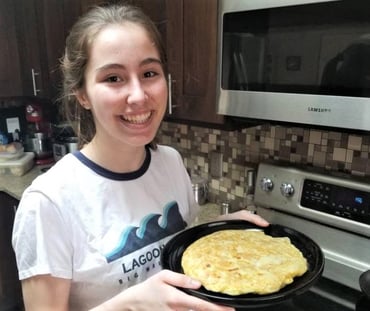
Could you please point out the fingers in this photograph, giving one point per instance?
(246, 215)
(179, 300)
(258, 220)
(178, 279)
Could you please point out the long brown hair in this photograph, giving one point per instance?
(76, 56)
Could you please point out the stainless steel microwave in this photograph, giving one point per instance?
(297, 61)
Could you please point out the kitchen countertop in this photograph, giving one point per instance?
(15, 185)
(207, 212)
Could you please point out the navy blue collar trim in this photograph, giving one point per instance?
(113, 175)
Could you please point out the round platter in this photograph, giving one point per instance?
(173, 250)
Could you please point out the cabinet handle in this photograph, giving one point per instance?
(170, 106)
(35, 89)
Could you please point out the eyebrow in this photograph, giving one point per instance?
(146, 61)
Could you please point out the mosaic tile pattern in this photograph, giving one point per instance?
(244, 149)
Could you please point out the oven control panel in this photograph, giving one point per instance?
(336, 200)
(339, 201)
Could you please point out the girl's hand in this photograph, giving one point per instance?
(245, 215)
(159, 293)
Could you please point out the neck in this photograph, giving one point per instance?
(120, 159)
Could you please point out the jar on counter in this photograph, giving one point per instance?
(225, 208)
(200, 189)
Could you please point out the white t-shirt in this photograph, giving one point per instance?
(103, 230)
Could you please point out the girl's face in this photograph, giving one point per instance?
(125, 86)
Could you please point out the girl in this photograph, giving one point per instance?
(88, 233)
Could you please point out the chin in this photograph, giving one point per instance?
(141, 143)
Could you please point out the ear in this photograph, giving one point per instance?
(82, 98)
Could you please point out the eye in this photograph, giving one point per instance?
(113, 79)
(150, 74)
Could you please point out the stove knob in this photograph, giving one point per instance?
(287, 190)
(266, 184)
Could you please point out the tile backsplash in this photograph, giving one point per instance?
(243, 149)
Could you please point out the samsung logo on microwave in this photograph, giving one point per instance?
(321, 110)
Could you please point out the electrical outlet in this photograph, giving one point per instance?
(216, 164)
(12, 124)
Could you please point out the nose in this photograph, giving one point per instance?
(136, 92)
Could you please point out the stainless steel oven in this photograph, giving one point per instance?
(334, 211)
(295, 61)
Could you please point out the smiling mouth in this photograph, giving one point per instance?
(137, 119)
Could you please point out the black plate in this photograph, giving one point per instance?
(173, 250)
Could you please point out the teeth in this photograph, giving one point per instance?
(138, 119)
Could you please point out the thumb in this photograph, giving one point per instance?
(191, 283)
(179, 280)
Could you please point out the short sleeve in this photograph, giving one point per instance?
(41, 238)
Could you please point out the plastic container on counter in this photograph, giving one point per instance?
(18, 167)
(11, 151)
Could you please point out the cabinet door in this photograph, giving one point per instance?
(56, 18)
(41, 27)
(156, 10)
(10, 75)
(24, 62)
(192, 59)
(32, 35)
(31, 47)
(10, 287)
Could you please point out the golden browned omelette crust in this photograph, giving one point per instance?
(238, 262)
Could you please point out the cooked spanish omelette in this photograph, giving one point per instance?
(236, 262)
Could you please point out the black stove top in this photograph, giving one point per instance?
(325, 295)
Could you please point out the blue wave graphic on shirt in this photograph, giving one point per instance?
(149, 231)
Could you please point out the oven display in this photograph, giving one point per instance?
(336, 200)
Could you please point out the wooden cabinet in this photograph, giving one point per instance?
(10, 287)
(55, 19)
(189, 30)
(32, 34)
(29, 42)
(10, 74)
(192, 60)
(42, 26)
